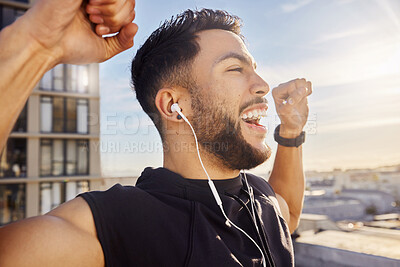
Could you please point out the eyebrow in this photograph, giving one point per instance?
(244, 59)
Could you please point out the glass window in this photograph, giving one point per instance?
(78, 78)
(71, 157)
(57, 194)
(58, 78)
(68, 115)
(46, 114)
(83, 79)
(20, 124)
(82, 120)
(71, 115)
(83, 156)
(45, 82)
(72, 78)
(9, 14)
(13, 158)
(58, 114)
(58, 158)
(12, 203)
(52, 194)
(19, 12)
(45, 197)
(6, 16)
(82, 186)
(70, 190)
(64, 157)
(45, 157)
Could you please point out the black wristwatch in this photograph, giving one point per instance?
(289, 142)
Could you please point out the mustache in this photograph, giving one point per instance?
(259, 100)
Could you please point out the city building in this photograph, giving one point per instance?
(390, 183)
(377, 201)
(51, 154)
(335, 207)
(336, 193)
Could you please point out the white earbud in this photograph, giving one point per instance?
(175, 108)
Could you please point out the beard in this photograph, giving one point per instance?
(220, 134)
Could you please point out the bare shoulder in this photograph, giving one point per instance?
(65, 236)
(77, 212)
(284, 208)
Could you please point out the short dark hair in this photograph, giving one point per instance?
(165, 58)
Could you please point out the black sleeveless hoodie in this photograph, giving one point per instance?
(167, 220)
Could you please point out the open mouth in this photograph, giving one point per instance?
(253, 117)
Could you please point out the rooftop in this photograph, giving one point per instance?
(384, 245)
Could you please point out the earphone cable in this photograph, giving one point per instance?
(215, 192)
(250, 189)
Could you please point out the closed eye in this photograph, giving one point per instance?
(236, 69)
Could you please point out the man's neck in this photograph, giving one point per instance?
(187, 164)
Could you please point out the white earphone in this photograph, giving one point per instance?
(175, 108)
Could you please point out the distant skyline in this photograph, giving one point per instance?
(349, 49)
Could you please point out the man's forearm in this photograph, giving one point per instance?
(23, 63)
(287, 179)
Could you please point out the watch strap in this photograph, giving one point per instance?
(289, 142)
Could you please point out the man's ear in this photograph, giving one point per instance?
(164, 99)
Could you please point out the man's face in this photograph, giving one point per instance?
(227, 101)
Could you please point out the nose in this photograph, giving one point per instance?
(259, 87)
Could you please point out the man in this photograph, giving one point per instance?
(171, 218)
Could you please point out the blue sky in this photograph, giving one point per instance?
(349, 49)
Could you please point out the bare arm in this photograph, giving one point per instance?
(65, 236)
(287, 180)
(287, 177)
(53, 32)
